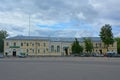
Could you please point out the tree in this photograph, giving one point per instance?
(88, 45)
(76, 48)
(118, 44)
(3, 35)
(106, 35)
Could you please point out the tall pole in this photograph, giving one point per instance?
(29, 26)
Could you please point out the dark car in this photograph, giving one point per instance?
(75, 54)
(85, 55)
(1, 56)
(111, 54)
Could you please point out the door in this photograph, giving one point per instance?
(66, 51)
(14, 53)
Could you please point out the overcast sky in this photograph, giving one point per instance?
(59, 18)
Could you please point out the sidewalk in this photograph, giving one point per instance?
(77, 59)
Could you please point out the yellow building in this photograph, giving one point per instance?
(99, 47)
(49, 46)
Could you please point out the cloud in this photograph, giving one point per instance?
(56, 10)
(108, 11)
(63, 17)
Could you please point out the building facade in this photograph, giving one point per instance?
(49, 46)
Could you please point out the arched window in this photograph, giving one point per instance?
(44, 44)
(100, 45)
(21, 44)
(58, 48)
(32, 44)
(44, 51)
(52, 48)
(33, 50)
(14, 43)
(27, 50)
(38, 50)
(27, 44)
(96, 45)
(38, 44)
(7, 44)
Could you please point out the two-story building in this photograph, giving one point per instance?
(49, 46)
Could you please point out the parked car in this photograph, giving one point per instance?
(116, 55)
(111, 54)
(22, 55)
(97, 55)
(75, 54)
(1, 56)
(85, 55)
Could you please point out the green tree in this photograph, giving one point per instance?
(88, 45)
(76, 47)
(106, 35)
(118, 44)
(3, 35)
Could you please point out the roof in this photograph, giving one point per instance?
(53, 39)
(27, 38)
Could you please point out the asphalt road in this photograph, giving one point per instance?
(60, 68)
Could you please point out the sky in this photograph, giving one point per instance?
(59, 18)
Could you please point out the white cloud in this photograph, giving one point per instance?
(15, 13)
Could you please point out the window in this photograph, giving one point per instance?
(27, 50)
(44, 44)
(100, 45)
(33, 50)
(7, 44)
(21, 44)
(58, 48)
(38, 50)
(27, 44)
(38, 44)
(14, 44)
(96, 45)
(44, 51)
(32, 44)
(52, 48)
(96, 50)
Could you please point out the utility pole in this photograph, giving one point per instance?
(29, 26)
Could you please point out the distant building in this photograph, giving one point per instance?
(49, 46)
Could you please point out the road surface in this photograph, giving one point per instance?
(60, 68)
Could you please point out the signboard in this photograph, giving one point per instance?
(14, 47)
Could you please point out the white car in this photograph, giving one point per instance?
(22, 55)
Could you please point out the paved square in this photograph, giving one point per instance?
(60, 68)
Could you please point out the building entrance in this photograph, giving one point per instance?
(66, 51)
(100, 51)
(14, 53)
